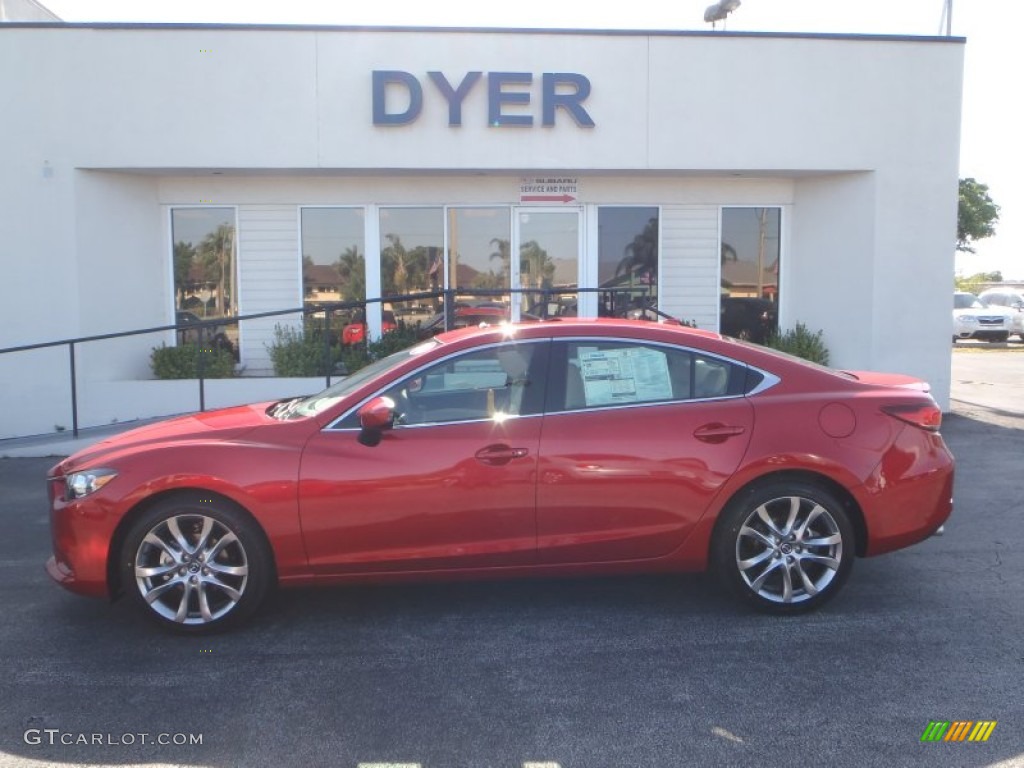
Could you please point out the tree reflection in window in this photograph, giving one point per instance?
(205, 258)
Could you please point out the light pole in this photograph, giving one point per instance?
(946, 22)
(718, 11)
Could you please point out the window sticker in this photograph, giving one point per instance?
(631, 375)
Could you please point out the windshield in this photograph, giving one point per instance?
(966, 301)
(319, 403)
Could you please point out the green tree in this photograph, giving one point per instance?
(641, 255)
(184, 258)
(502, 253)
(976, 215)
(977, 282)
(403, 270)
(217, 251)
(351, 265)
(536, 270)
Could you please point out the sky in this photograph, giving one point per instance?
(990, 132)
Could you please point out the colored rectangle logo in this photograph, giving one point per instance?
(958, 730)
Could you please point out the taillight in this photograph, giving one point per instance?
(923, 415)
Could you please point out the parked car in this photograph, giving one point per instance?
(557, 448)
(191, 332)
(748, 318)
(354, 332)
(1010, 300)
(470, 316)
(561, 305)
(972, 319)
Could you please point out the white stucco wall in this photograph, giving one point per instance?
(106, 128)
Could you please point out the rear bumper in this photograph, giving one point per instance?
(910, 493)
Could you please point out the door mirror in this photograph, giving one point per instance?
(375, 417)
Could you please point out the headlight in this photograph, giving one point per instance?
(83, 483)
(968, 319)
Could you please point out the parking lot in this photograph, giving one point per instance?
(615, 672)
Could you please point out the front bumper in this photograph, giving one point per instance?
(80, 532)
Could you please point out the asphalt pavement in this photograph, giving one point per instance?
(620, 672)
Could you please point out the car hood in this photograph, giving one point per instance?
(226, 423)
(983, 312)
(891, 380)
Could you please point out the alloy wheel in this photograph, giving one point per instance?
(789, 549)
(191, 569)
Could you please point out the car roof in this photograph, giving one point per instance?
(1000, 292)
(574, 326)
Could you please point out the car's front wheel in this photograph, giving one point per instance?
(196, 564)
(784, 547)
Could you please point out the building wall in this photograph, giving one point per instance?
(107, 128)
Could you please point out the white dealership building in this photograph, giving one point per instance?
(220, 170)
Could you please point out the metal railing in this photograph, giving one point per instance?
(448, 301)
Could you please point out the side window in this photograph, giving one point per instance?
(710, 377)
(599, 374)
(485, 384)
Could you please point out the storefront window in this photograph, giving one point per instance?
(333, 255)
(750, 272)
(627, 267)
(549, 262)
(411, 250)
(478, 251)
(205, 265)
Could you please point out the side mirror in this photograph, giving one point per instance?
(375, 417)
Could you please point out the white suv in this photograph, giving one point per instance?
(974, 320)
(1009, 299)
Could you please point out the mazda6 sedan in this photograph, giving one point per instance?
(566, 447)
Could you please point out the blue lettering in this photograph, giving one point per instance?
(508, 97)
(454, 96)
(571, 102)
(497, 96)
(384, 78)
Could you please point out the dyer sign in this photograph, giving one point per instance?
(509, 96)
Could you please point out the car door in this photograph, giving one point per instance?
(637, 440)
(452, 485)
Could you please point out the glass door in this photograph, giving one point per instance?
(549, 242)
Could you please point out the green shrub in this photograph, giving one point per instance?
(295, 353)
(298, 353)
(182, 362)
(802, 343)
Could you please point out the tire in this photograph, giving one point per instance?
(784, 547)
(196, 565)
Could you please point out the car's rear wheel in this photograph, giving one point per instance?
(784, 547)
(196, 564)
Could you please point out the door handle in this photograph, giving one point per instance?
(718, 433)
(500, 454)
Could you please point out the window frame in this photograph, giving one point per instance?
(227, 320)
(559, 360)
(539, 368)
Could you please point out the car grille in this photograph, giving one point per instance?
(990, 320)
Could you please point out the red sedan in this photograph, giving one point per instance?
(570, 447)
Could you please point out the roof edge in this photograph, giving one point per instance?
(480, 30)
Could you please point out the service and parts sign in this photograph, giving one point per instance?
(549, 190)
